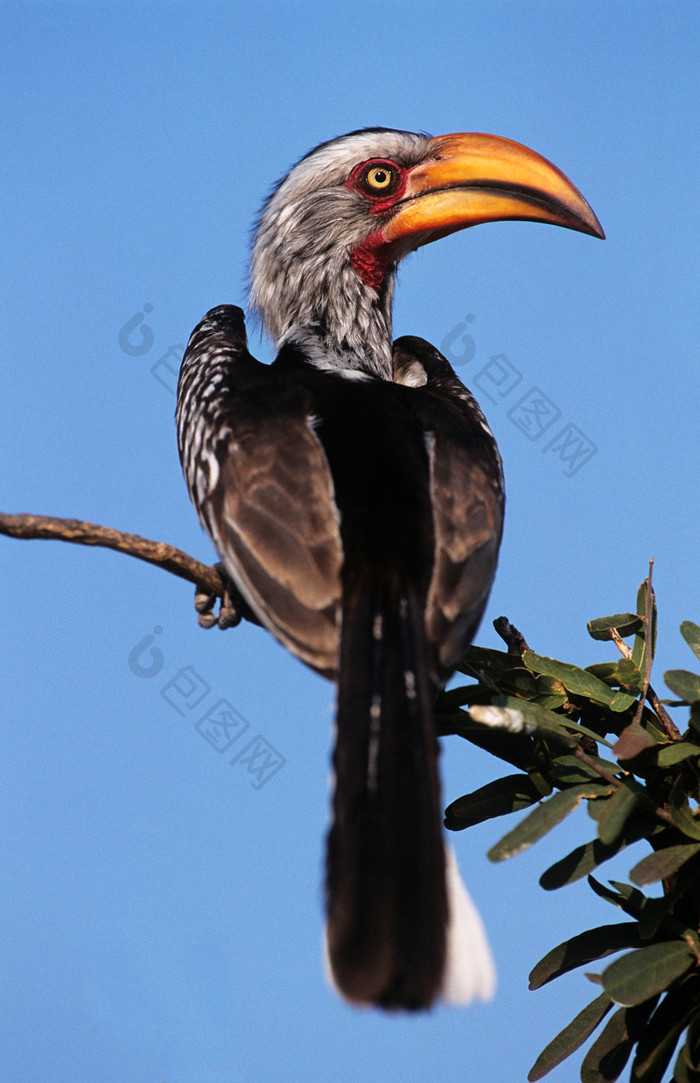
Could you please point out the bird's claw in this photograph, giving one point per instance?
(205, 603)
(233, 607)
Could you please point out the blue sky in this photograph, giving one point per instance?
(161, 916)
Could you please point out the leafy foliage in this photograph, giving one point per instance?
(600, 735)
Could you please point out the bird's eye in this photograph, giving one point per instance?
(379, 178)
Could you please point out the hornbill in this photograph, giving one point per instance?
(354, 493)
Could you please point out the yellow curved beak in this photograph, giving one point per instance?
(472, 178)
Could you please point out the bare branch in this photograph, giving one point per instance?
(163, 556)
(663, 715)
(510, 635)
(598, 768)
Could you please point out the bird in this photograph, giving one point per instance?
(354, 493)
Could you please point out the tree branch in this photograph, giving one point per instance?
(163, 556)
(511, 636)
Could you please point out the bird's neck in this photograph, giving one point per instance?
(362, 347)
(341, 325)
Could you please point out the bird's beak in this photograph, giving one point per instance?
(472, 178)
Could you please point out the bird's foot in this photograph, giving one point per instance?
(232, 610)
(205, 604)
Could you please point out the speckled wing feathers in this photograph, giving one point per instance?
(260, 482)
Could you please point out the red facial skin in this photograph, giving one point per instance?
(371, 258)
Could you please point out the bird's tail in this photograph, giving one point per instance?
(387, 873)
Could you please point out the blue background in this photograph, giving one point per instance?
(161, 916)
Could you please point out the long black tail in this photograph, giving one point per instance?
(386, 893)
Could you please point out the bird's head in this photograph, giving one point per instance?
(331, 233)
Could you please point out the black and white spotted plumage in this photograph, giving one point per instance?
(354, 493)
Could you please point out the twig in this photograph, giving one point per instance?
(602, 771)
(663, 716)
(661, 814)
(163, 556)
(510, 635)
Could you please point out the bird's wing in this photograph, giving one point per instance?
(263, 488)
(466, 485)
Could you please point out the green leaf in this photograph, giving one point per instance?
(691, 634)
(634, 898)
(595, 809)
(571, 770)
(625, 898)
(660, 1036)
(663, 863)
(551, 701)
(687, 1068)
(676, 753)
(580, 682)
(490, 663)
(685, 684)
(510, 794)
(611, 1050)
(571, 1037)
(622, 701)
(638, 646)
(584, 859)
(583, 949)
(644, 634)
(609, 1053)
(544, 818)
(604, 671)
(452, 698)
(549, 692)
(625, 624)
(629, 676)
(514, 748)
(656, 913)
(647, 971)
(519, 682)
(576, 864)
(680, 811)
(618, 810)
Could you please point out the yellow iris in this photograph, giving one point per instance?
(379, 176)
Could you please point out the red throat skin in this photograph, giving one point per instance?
(370, 262)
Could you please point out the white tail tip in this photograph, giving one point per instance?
(470, 973)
